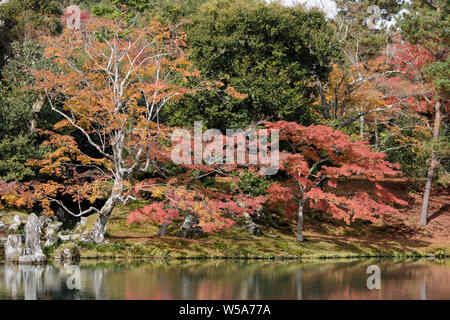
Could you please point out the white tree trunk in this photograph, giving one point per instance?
(97, 233)
(300, 221)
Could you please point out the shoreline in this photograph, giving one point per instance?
(230, 258)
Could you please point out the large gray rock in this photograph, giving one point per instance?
(60, 214)
(16, 224)
(32, 239)
(13, 248)
(251, 227)
(190, 228)
(33, 250)
(52, 229)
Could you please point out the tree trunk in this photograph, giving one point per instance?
(36, 108)
(98, 230)
(326, 111)
(300, 221)
(361, 127)
(377, 138)
(433, 165)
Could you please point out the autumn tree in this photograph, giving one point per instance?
(216, 189)
(112, 83)
(426, 24)
(316, 159)
(350, 96)
(214, 209)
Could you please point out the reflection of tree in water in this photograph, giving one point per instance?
(279, 280)
(31, 282)
(218, 280)
(237, 279)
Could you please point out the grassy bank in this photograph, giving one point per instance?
(324, 238)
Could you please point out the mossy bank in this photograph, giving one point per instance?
(324, 238)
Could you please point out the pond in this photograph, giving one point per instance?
(229, 279)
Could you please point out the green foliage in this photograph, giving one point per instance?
(426, 22)
(14, 153)
(252, 184)
(357, 40)
(27, 18)
(169, 11)
(269, 52)
(439, 75)
(17, 143)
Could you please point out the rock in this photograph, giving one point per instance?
(32, 239)
(44, 221)
(33, 259)
(60, 214)
(69, 237)
(81, 223)
(68, 252)
(254, 229)
(81, 226)
(89, 223)
(32, 253)
(68, 221)
(13, 248)
(52, 229)
(83, 239)
(16, 224)
(162, 231)
(50, 242)
(3, 226)
(189, 228)
(251, 227)
(33, 250)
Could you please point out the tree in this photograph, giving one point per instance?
(27, 19)
(214, 191)
(114, 80)
(351, 96)
(268, 52)
(426, 23)
(316, 158)
(21, 111)
(360, 26)
(214, 209)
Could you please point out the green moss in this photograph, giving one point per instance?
(73, 248)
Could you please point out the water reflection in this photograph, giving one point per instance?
(226, 280)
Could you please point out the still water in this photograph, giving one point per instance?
(422, 279)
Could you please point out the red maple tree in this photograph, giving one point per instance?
(316, 158)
